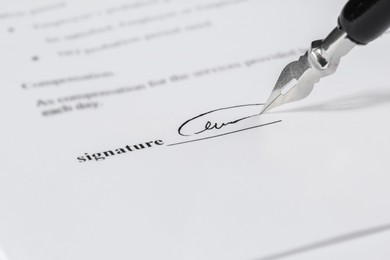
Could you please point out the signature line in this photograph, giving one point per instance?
(229, 133)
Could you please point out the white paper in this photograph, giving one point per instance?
(2, 255)
(136, 82)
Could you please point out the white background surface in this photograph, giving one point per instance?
(321, 173)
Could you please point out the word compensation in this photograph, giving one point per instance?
(127, 149)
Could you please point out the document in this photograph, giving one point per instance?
(131, 130)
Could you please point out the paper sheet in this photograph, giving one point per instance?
(130, 131)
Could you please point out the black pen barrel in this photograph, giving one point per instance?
(365, 20)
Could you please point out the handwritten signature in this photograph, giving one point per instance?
(218, 119)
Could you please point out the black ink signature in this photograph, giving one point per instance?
(208, 124)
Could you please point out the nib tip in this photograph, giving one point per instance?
(262, 111)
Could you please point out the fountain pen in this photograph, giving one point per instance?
(360, 22)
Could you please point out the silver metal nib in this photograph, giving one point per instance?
(298, 78)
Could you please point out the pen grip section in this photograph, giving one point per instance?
(365, 20)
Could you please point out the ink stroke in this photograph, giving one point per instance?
(219, 119)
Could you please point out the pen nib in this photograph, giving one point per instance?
(298, 78)
(295, 83)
